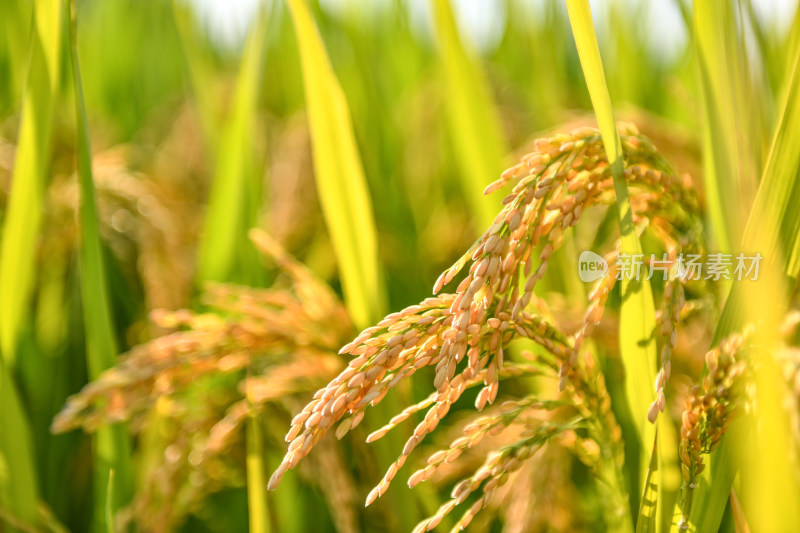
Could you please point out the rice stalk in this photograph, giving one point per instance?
(637, 349)
(113, 450)
(22, 219)
(256, 480)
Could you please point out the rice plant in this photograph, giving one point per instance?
(272, 276)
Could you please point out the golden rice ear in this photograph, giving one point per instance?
(269, 246)
(272, 249)
(464, 335)
(709, 410)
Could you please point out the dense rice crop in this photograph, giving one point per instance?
(216, 262)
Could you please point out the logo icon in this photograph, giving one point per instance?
(591, 266)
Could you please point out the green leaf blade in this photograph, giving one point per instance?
(340, 179)
(637, 314)
(112, 445)
(24, 213)
(18, 478)
(472, 115)
(771, 229)
(226, 253)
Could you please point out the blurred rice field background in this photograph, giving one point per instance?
(211, 199)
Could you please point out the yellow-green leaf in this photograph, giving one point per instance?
(226, 253)
(637, 315)
(29, 177)
(647, 521)
(112, 445)
(339, 174)
(733, 119)
(474, 122)
(14, 30)
(18, 486)
(198, 70)
(772, 229)
(256, 478)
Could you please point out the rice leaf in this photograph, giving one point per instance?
(256, 478)
(647, 521)
(112, 446)
(346, 206)
(663, 480)
(773, 229)
(474, 122)
(733, 125)
(226, 253)
(772, 492)
(18, 486)
(340, 179)
(18, 482)
(790, 48)
(710, 497)
(198, 71)
(739, 520)
(637, 315)
(109, 509)
(29, 177)
(14, 28)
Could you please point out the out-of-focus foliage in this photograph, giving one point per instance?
(359, 136)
